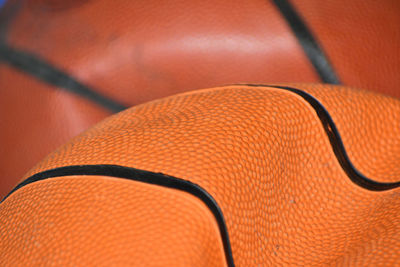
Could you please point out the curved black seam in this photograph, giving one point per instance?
(146, 177)
(336, 142)
(309, 44)
(49, 74)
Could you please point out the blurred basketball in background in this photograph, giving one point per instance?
(68, 64)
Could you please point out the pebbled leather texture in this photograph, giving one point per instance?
(99, 220)
(36, 118)
(265, 157)
(27, 137)
(141, 54)
(151, 50)
(370, 130)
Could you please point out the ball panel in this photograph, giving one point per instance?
(100, 220)
(264, 156)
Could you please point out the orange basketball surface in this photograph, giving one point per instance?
(247, 175)
(136, 51)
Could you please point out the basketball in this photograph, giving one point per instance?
(239, 175)
(66, 65)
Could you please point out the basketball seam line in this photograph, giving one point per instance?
(334, 138)
(145, 177)
(48, 73)
(42, 70)
(307, 41)
(336, 142)
(172, 182)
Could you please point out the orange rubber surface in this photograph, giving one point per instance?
(370, 132)
(36, 118)
(263, 154)
(138, 51)
(97, 220)
(135, 51)
(360, 37)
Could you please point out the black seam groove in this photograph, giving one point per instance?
(168, 181)
(336, 142)
(309, 44)
(146, 177)
(49, 74)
